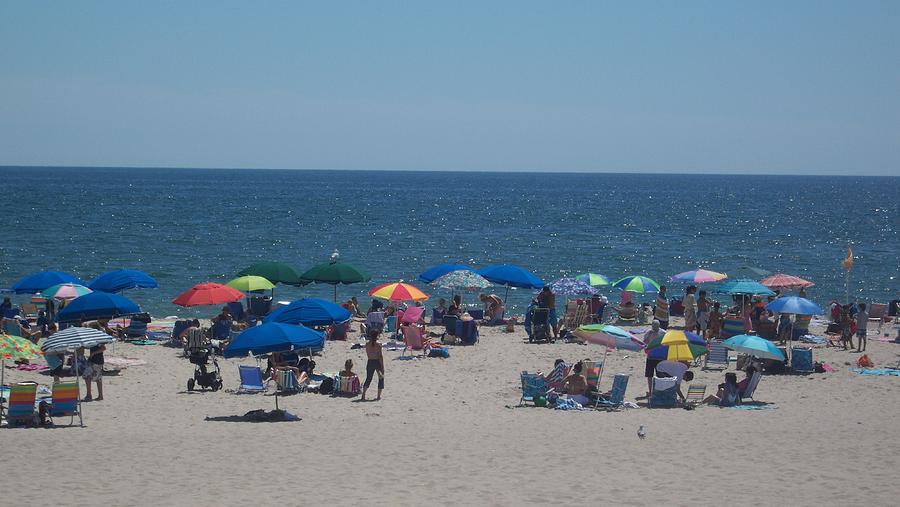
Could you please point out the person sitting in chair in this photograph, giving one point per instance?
(455, 306)
(493, 308)
(728, 394)
(277, 364)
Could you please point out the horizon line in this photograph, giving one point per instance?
(465, 170)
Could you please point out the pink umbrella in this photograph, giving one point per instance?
(412, 314)
(783, 281)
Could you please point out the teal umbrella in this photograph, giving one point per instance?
(754, 346)
(744, 287)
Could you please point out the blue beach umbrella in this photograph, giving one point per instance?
(309, 312)
(510, 276)
(433, 273)
(794, 305)
(744, 287)
(36, 282)
(274, 337)
(97, 305)
(122, 279)
(754, 346)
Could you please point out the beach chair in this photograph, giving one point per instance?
(801, 325)
(259, 306)
(533, 385)
(346, 386)
(833, 340)
(717, 357)
(29, 311)
(569, 315)
(540, 325)
(616, 398)
(696, 393)
(136, 330)
(437, 317)
(413, 340)
(251, 379)
(65, 402)
(237, 311)
(21, 404)
(390, 324)
(467, 332)
(593, 371)
(221, 330)
(627, 314)
(664, 393)
(450, 324)
(374, 323)
(556, 377)
(751, 386)
(877, 312)
(802, 360)
(338, 331)
(732, 326)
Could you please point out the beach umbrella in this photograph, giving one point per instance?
(699, 276)
(783, 281)
(433, 273)
(609, 336)
(744, 287)
(275, 272)
(71, 339)
(795, 305)
(36, 282)
(398, 291)
(208, 293)
(97, 305)
(593, 279)
(335, 273)
(637, 284)
(677, 345)
(309, 312)
(461, 279)
(13, 348)
(571, 287)
(749, 273)
(64, 291)
(274, 337)
(251, 283)
(123, 279)
(510, 276)
(754, 346)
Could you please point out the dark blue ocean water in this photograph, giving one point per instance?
(185, 226)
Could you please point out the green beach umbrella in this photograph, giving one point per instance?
(593, 279)
(637, 284)
(275, 272)
(335, 273)
(250, 283)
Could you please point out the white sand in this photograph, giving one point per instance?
(445, 434)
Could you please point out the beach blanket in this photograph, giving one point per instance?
(880, 372)
(393, 346)
(754, 407)
(144, 342)
(810, 338)
(567, 404)
(27, 367)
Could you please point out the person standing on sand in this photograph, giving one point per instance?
(94, 372)
(690, 308)
(375, 363)
(547, 299)
(662, 308)
(862, 321)
(702, 314)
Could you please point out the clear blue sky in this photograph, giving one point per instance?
(762, 86)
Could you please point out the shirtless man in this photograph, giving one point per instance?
(575, 385)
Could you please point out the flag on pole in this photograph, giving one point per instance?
(848, 262)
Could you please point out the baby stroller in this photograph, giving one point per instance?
(203, 378)
(540, 325)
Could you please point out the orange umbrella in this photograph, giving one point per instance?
(783, 281)
(398, 291)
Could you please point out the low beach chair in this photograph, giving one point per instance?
(65, 402)
(21, 404)
(237, 311)
(555, 378)
(286, 382)
(627, 314)
(731, 326)
(751, 386)
(540, 325)
(414, 340)
(802, 360)
(30, 311)
(251, 379)
(616, 398)
(450, 324)
(695, 394)
(801, 326)
(717, 356)
(467, 332)
(833, 340)
(664, 393)
(346, 386)
(374, 323)
(533, 385)
(593, 371)
(221, 330)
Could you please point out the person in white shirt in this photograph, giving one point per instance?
(862, 320)
(676, 369)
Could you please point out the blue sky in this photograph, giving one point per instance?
(725, 87)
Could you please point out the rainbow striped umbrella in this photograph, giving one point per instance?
(699, 276)
(65, 291)
(677, 345)
(398, 291)
(637, 284)
(593, 279)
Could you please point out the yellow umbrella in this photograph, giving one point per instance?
(398, 291)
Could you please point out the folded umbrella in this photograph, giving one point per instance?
(609, 336)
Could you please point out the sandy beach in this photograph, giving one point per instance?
(448, 432)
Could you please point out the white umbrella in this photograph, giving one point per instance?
(73, 338)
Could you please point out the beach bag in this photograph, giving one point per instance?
(327, 386)
(442, 352)
(865, 362)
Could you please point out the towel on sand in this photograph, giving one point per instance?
(881, 372)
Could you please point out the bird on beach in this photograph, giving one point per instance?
(641, 433)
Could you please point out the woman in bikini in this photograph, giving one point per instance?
(375, 363)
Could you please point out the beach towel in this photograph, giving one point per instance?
(567, 404)
(27, 367)
(753, 407)
(810, 338)
(881, 372)
(144, 342)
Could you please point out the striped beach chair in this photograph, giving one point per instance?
(286, 382)
(21, 404)
(593, 371)
(346, 386)
(717, 356)
(732, 327)
(616, 398)
(65, 402)
(696, 393)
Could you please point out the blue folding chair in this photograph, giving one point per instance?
(237, 310)
(467, 332)
(616, 398)
(533, 385)
(251, 379)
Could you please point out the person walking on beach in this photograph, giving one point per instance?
(662, 308)
(690, 308)
(374, 364)
(862, 320)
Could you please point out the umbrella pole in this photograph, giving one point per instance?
(335, 293)
(276, 397)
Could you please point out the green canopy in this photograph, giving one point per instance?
(334, 273)
(275, 272)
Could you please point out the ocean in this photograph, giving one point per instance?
(185, 226)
